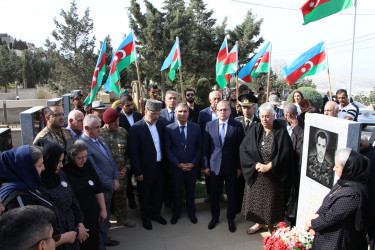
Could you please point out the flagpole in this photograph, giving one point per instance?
(351, 66)
(329, 76)
(179, 69)
(140, 106)
(269, 74)
(236, 74)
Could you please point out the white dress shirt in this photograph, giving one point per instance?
(156, 139)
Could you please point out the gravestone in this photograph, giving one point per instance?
(323, 135)
(32, 122)
(67, 107)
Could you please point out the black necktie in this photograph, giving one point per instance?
(172, 116)
(247, 125)
(182, 133)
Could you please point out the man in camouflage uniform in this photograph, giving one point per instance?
(116, 138)
(54, 131)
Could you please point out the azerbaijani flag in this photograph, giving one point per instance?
(223, 53)
(122, 58)
(314, 10)
(98, 76)
(260, 60)
(309, 63)
(229, 66)
(173, 60)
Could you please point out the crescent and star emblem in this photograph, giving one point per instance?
(307, 68)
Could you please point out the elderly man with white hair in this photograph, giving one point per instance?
(75, 123)
(331, 109)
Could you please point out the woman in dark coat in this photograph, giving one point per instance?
(340, 222)
(86, 185)
(266, 160)
(68, 213)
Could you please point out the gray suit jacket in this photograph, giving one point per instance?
(104, 167)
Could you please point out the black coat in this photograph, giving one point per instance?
(335, 226)
(123, 121)
(283, 167)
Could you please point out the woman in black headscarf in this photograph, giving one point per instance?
(68, 213)
(340, 222)
(86, 185)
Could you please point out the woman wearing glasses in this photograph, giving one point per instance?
(266, 160)
(85, 183)
(20, 170)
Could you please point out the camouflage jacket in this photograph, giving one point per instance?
(59, 138)
(118, 143)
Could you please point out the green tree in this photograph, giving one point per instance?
(10, 67)
(28, 72)
(72, 51)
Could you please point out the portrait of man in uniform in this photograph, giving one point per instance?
(320, 162)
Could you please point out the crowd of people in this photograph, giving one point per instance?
(71, 177)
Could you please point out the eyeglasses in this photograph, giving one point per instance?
(56, 235)
(222, 110)
(58, 114)
(192, 94)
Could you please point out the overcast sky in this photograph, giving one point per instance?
(32, 20)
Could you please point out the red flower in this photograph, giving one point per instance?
(281, 225)
(265, 239)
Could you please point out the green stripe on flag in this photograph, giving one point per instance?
(315, 70)
(327, 9)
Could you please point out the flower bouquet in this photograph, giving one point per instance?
(288, 238)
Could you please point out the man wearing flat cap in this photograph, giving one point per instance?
(146, 139)
(117, 140)
(76, 100)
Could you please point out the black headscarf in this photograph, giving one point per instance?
(70, 166)
(355, 174)
(51, 156)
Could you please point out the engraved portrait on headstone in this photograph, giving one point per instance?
(320, 162)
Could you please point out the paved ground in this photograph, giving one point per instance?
(185, 235)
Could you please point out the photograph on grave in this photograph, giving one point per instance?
(321, 152)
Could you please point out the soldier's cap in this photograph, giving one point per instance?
(98, 105)
(110, 115)
(75, 93)
(153, 105)
(247, 100)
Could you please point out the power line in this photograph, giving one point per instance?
(292, 9)
(293, 52)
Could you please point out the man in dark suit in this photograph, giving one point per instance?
(207, 115)
(183, 148)
(247, 103)
(194, 108)
(99, 154)
(169, 112)
(145, 144)
(128, 116)
(127, 119)
(222, 139)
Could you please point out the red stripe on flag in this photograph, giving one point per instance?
(232, 58)
(247, 78)
(228, 77)
(97, 70)
(222, 55)
(175, 56)
(295, 75)
(310, 5)
(266, 57)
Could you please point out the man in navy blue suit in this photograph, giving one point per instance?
(169, 112)
(100, 156)
(222, 139)
(183, 147)
(207, 115)
(145, 142)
